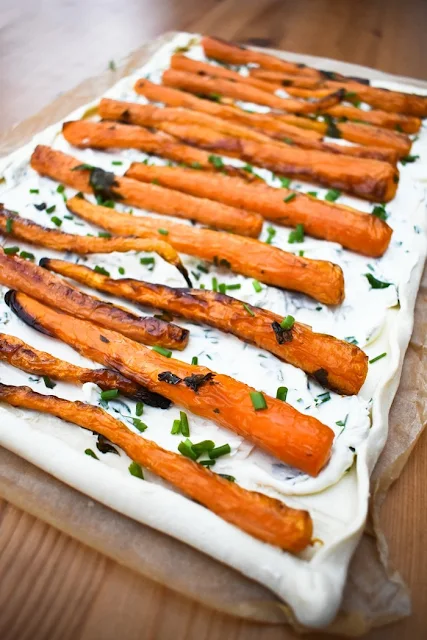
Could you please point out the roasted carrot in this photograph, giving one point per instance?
(397, 121)
(208, 86)
(294, 438)
(317, 278)
(235, 54)
(23, 229)
(392, 101)
(286, 79)
(66, 169)
(334, 363)
(356, 132)
(25, 357)
(42, 285)
(151, 116)
(354, 230)
(370, 179)
(177, 98)
(258, 515)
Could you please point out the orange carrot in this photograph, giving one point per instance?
(357, 231)
(370, 179)
(334, 363)
(20, 274)
(65, 168)
(259, 515)
(208, 86)
(319, 279)
(25, 357)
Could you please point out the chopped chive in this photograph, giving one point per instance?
(26, 255)
(10, 251)
(282, 393)
(222, 288)
(34, 191)
(148, 261)
(91, 453)
(375, 283)
(48, 382)
(185, 427)
(297, 235)
(258, 400)
(214, 284)
(271, 232)
(248, 309)
(60, 188)
(207, 463)
(202, 268)
(313, 194)
(117, 162)
(233, 287)
(163, 232)
(9, 225)
(203, 447)
(321, 398)
(101, 270)
(138, 424)
(122, 271)
(135, 470)
(300, 253)
(186, 449)
(176, 427)
(351, 340)
(155, 181)
(227, 477)
(104, 234)
(162, 351)
(41, 206)
(285, 182)
(56, 221)
(342, 423)
(194, 360)
(287, 323)
(332, 195)
(256, 285)
(248, 167)
(51, 209)
(203, 286)
(382, 355)
(216, 161)
(408, 159)
(290, 197)
(110, 394)
(380, 212)
(139, 410)
(112, 67)
(223, 450)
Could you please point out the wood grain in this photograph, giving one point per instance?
(52, 587)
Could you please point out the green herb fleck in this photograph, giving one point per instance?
(332, 195)
(51, 209)
(162, 351)
(56, 221)
(91, 453)
(223, 450)
(382, 355)
(163, 232)
(287, 323)
(216, 161)
(282, 393)
(109, 394)
(258, 400)
(135, 470)
(138, 424)
(26, 255)
(290, 197)
(122, 271)
(375, 283)
(101, 270)
(10, 251)
(271, 232)
(248, 309)
(256, 285)
(185, 427)
(194, 360)
(297, 235)
(48, 382)
(380, 212)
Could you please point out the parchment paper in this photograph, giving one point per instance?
(374, 595)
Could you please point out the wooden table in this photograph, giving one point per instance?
(52, 587)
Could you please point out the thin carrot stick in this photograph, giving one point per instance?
(292, 437)
(208, 86)
(65, 168)
(258, 515)
(319, 279)
(354, 230)
(25, 357)
(334, 363)
(20, 274)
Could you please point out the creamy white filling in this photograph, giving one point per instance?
(337, 497)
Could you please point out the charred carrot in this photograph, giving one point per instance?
(151, 116)
(317, 278)
(208, 86)
(354, 230)
(69, 170)
(285, 79)
(259, 515)
(356, 132)
(334, 363)
(224, 51)
(370, 179)
(25, 357)
(294, 438)
(23, 229)
(262, 122)
(49, 289)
